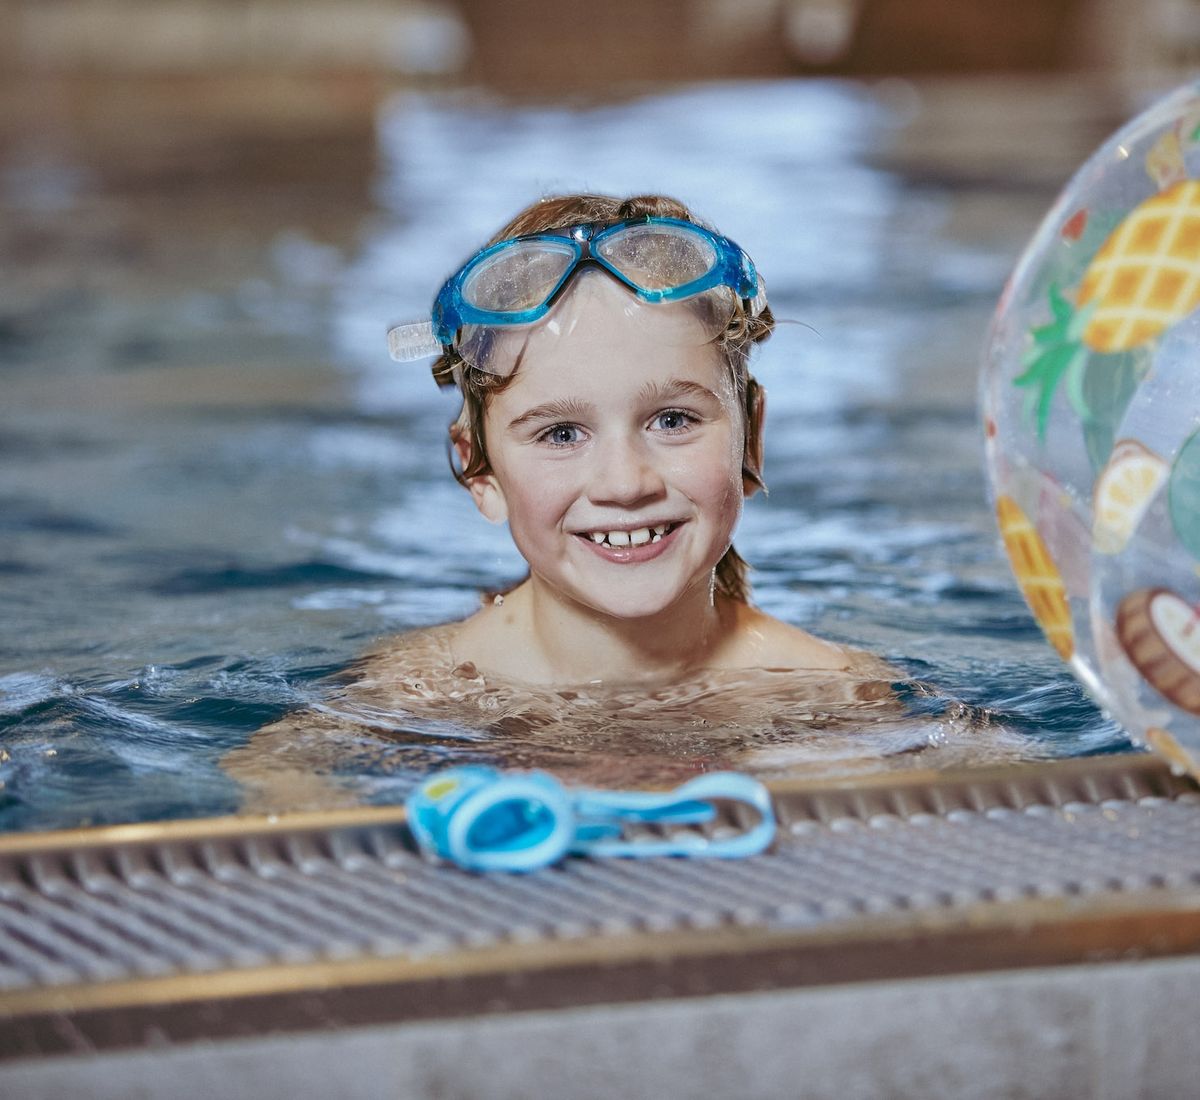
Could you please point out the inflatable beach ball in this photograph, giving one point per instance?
(1091, 405)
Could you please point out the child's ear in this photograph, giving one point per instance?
(484, 488)
(489, 497)
(752, 457)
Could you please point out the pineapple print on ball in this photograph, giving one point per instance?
(1038, 577)
(1146, 276)
(1144, 279)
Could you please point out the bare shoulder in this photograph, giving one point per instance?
(422, 652)
(764, 641)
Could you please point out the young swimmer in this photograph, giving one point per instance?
(601, 347)
(609, 417)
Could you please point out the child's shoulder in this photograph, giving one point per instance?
(763, 641)
(425, 651)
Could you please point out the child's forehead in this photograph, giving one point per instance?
(599, 344)
(621, 376)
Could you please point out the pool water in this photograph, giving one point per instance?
(216, 489)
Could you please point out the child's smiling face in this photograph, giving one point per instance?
(616, 454)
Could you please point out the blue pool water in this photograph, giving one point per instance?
(216, 489)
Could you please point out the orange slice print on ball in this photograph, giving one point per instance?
(1173, 752)
(1037, 576)
(1123, 492)
(1160, 633)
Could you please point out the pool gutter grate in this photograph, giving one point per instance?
(164, 922)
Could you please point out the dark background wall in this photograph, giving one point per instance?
(559, 46)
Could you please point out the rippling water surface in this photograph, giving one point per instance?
(216, 490)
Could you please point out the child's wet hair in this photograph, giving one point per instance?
(743, 331)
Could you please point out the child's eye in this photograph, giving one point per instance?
(673, 420)
(562, 435)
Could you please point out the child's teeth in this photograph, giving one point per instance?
(639, 537)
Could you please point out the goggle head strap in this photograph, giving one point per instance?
(413, 341)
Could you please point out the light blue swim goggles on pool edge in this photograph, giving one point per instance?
(483, 819)
(518, 281)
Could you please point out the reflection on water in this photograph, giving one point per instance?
(216, 490)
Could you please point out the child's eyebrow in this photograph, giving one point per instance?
(675, 387)
(564, 409)
(570, 408)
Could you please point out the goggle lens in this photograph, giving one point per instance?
(658, 257)
(519, 277)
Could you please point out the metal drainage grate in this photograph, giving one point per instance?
(102, 907)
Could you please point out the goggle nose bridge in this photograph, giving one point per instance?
(581, 236)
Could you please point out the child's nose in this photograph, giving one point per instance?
(625, 474)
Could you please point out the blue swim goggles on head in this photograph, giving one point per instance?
(518, 281)
(483, 819)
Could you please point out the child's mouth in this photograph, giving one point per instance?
(639, 544)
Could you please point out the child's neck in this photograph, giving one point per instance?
(572, 643)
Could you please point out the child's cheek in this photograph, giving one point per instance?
(542, 487)
(710, 473)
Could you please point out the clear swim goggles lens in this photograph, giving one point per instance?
(518, 282)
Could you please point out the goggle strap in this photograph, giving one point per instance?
(413, 341)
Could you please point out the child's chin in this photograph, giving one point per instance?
(634, 604)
